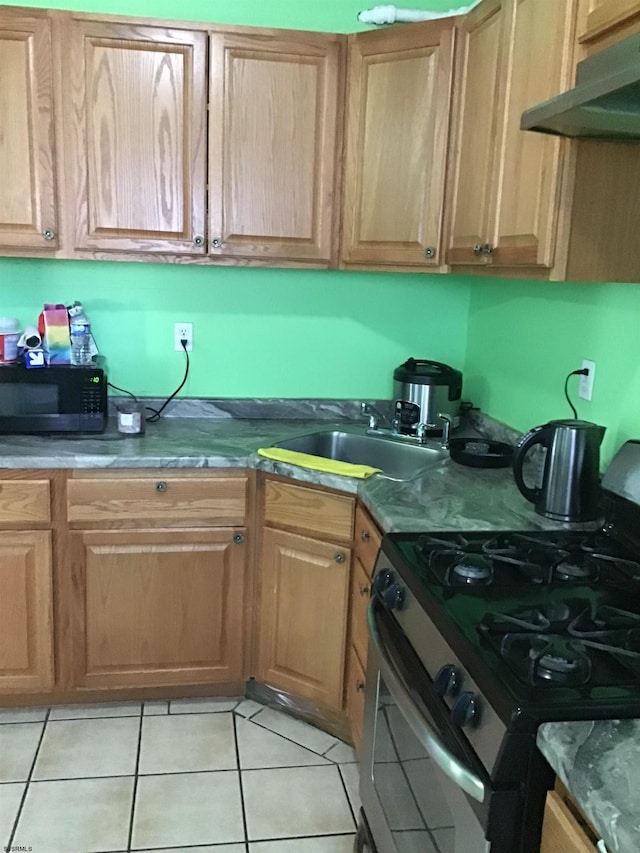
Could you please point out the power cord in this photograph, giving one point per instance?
(157, 413)
(582, 372)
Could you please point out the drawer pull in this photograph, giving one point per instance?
(363, 588)
(339, 558)
(360, 685)
(238, 538)
(161, 486)
(365, 535)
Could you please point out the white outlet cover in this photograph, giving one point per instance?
(585, 388)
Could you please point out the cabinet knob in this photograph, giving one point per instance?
(198, 240)
(238, 538)
(216, 243)
(360, 685)
(429, 252)
(365, 535)
(363, 589)
(339, 558)
(161, 486)
(48, 234)
(477, 249)
(487, 249)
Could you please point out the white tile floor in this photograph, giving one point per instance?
(198, 776)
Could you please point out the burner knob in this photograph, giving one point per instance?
(447, 681)
(393, 597)
(466, 710)
(382, 580)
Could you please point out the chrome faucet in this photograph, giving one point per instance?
(375, 416)
(446, 430)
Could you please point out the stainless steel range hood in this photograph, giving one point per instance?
(605, 103)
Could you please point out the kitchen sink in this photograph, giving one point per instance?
(395, 458)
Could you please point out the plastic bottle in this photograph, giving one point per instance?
(80, 339)
(9, 336)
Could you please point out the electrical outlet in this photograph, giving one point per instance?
(585, 388)
(183, 332)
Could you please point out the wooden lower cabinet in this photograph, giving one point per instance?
(562, 832)
(367, 543)
(26, 625)
(157, 607)
(303, 616)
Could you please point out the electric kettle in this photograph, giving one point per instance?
(570, 487)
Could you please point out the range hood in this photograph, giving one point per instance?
(605, 103)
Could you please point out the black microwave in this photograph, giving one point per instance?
(52, 399)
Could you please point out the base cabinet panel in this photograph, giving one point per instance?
(303, 616)
(157, 607)
(26, 627)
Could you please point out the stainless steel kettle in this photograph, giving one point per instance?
(570, 487)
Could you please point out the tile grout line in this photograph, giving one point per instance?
(346, 793)
(28, 782)
(285, 737)
(242, 802)
(135, 779)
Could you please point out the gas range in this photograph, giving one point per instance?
(547, 624)
(517, 628)
(479, 637)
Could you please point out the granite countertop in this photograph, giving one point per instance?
(445, 497)
(594, 759)
(599, 762)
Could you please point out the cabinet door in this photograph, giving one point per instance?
(156, 607)
(303, 616)
(561, 831)
(26, 633)
(526, 179)
(609, 21)
(272, 145)
(27, 188)
(398, 104)
(479, 95)
(135, 126)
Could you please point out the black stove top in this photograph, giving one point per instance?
(548, 620)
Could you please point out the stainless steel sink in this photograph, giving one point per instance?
(395, 458)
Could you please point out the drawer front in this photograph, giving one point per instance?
(367, 538)
(166, 501)
(24, 501)
(360, 594)
(309, 511)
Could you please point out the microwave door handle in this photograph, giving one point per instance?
(446, 761)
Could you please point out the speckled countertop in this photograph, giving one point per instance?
(598, 761)
(445, 497)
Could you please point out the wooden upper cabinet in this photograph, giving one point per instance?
(28, 216)
(272, 145)
(608, 21)
(526, 179)
(398, 105)
(507, 183)
(135, 129)
(479, 90)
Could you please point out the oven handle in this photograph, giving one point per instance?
(446, 761)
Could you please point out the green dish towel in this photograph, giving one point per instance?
(318, 463)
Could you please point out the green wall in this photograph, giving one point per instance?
(334, 16)
(257, 332)
(525, 337)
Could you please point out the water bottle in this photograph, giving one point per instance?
(80, 340)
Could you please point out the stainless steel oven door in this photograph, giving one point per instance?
(415, 791)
